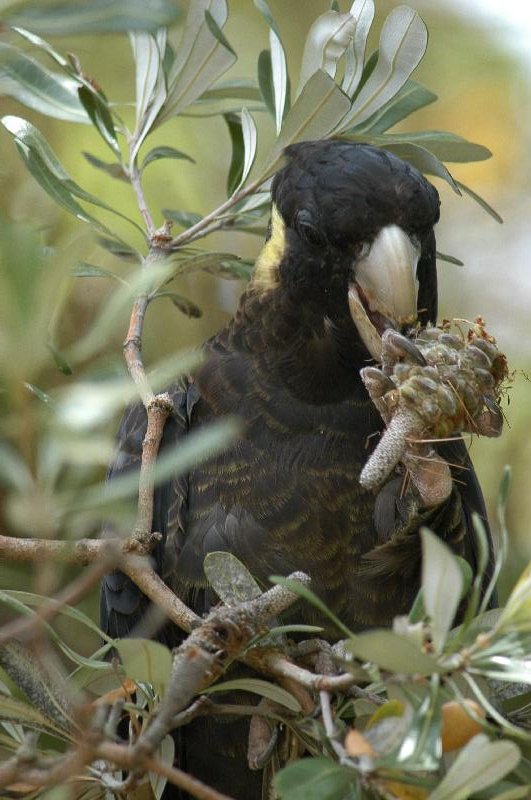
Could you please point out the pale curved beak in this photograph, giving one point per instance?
(383, 292)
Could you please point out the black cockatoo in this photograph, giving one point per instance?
(286, 495)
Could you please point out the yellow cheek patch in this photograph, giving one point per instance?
(265, 274)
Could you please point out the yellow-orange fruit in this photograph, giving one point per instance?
(458, 727)
(357, 745)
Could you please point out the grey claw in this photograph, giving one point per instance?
(376, 382)
(401, 347)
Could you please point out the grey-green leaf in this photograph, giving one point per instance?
(241, 88)
(443, 145)
(480, 764)
(145, 661)
(234, 176)
(47, 92)
(43, 164)
(230, 579)
(307, 594)
(403, 42)
(450, 259)
(249, 143)
(315, 779)
(423, 160)
(86, 270)
(316, 112)
(279, 71)
(200, 60)
(265, 81)
(261, 687)
(216, 31)
(363, 13)
(165, 152)
(96, 106)
(442, 585)
(480, 201)
(411, 97)
(327, 40)
(188, 307)
(93, 16)
(150, 82)
(392, 652)
(114, 169)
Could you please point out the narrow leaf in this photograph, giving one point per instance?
(96, 106)
(216, 31)
(423, 160)
(47, 92)
(249, 143)
(403, 42)
(150, 82)
(40, 394)
(443, 145)
(307, 594)
(86, 270)
(44, 46)
(189, 308)
(165, 152)
(114, 170)
(200, 59)
(316, 112)
(240, 88)
(327, 40)
(279, 79)
(261, 687)
(43, 164)
(234, 177)
(279, 72)
(442, 584)
(450, 259)
(94, 16)
(480, 764)
(411, 97)
(265, 81)
(363, 13)
(483, 203)
(166, 754)
(265, 11)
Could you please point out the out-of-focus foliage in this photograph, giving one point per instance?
(64, 301)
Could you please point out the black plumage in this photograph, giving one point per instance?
(285, 496)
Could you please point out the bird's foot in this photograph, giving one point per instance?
(433, 388)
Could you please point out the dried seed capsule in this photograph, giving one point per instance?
(449, 340)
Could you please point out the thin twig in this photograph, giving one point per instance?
(192, 232)
(330, 727)
(82, 552)
(136, 183)
(158, 410)
(154, 588)
(132, 348)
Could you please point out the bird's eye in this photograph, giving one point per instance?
(306, 227)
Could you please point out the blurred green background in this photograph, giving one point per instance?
(477, 66)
